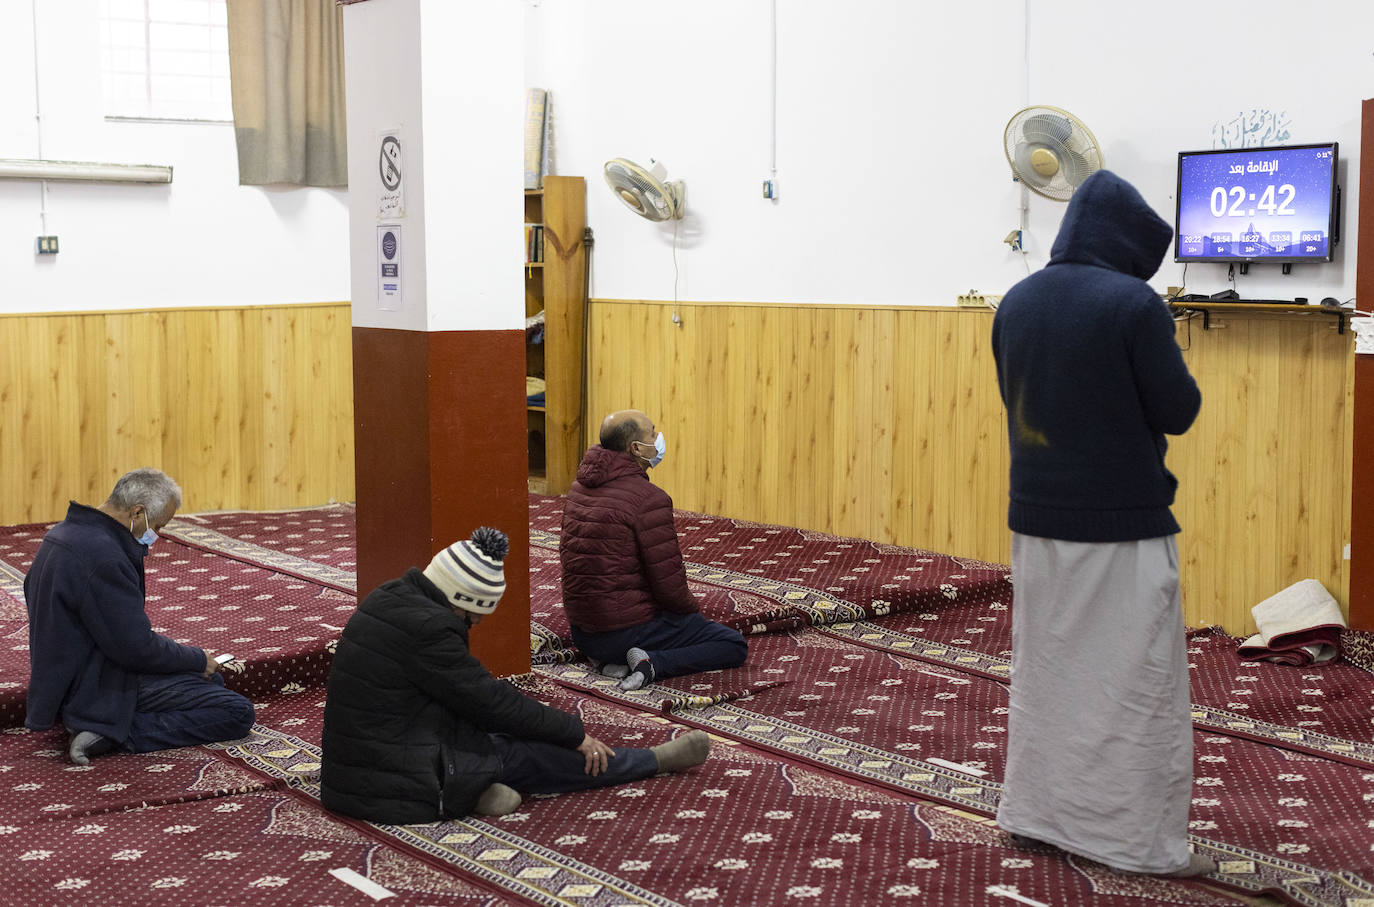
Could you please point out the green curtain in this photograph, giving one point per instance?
(286, 73)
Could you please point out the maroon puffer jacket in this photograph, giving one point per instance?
(621, 561)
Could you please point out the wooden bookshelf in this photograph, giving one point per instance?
(557, 285)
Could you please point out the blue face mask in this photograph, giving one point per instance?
(660, 448)
(148, 536)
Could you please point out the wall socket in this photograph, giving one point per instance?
(46, 245)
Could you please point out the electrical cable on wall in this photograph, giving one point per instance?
(38, 128)
(771, 187)
(677, 317)
(1024, 219)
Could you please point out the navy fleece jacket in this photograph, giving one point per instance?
(1092, 376)
(89, 637)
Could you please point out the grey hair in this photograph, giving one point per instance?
(152, 488)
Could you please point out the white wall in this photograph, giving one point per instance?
(203, 240)
(894, 185)
(447, 77)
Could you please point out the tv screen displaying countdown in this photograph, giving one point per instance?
(1256, 204)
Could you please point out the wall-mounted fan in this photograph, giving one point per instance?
(645, 191)
(1051, 151)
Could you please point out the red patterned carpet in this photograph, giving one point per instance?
(856, 756)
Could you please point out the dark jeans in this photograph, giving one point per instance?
(677, 644)
(533, 767)
(184, 710)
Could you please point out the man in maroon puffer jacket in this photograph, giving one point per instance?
(624, 586)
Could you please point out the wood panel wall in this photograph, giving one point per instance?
(1265, 472)
(246, 407)
(886, 423)
(876, 422)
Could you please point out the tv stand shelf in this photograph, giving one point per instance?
(1207, 306)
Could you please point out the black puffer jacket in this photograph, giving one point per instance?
(409, 709)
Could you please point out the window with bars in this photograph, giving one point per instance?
(165, 59)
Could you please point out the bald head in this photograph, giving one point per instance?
(621, 428)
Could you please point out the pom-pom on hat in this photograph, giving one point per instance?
(469, 572)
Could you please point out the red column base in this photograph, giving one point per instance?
(439, 423)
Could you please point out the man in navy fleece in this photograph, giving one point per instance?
(95, 662)
(1099, 758)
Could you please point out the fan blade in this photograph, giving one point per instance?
(1046, 127)
(1076, 168)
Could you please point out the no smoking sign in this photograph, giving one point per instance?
(391, 194)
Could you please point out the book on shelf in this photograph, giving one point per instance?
(534, 243)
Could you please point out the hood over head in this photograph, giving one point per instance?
(1109, 224)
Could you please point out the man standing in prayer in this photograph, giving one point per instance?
(624, 585)
(1100, 754)
(95, 663)
(417, 730)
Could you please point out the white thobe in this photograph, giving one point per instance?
(1100, 738)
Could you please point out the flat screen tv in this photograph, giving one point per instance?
(1257, 204)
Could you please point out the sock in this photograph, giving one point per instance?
(86, 745)
(682, 752)
(641, 670)
(497, 800)
(614, 671)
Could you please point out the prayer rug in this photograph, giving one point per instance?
(1260, 700)
(761, 579)
(40, 784)
(316, 543)
(745, 828)
(267, 847)
(890, 720)
(1357, 647)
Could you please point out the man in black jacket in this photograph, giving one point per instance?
(416, 729)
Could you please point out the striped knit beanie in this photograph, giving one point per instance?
(469, 572)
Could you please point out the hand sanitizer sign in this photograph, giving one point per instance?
(389, 268)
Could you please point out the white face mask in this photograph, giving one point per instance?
(148, 536)
(660, 448)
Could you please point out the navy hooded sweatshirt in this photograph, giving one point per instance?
(1092, 376)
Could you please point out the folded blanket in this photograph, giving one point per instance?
(1300, 625)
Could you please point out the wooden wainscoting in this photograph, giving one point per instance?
(1264, 493)
(886, 423)
(878, 422)
(248, 407)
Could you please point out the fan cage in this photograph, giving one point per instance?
(1064, 136)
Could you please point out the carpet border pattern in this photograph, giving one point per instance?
(1239, 867)
(249, 553)
(1205, 717)
(503, 860)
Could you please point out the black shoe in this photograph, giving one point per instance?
(86, 745)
